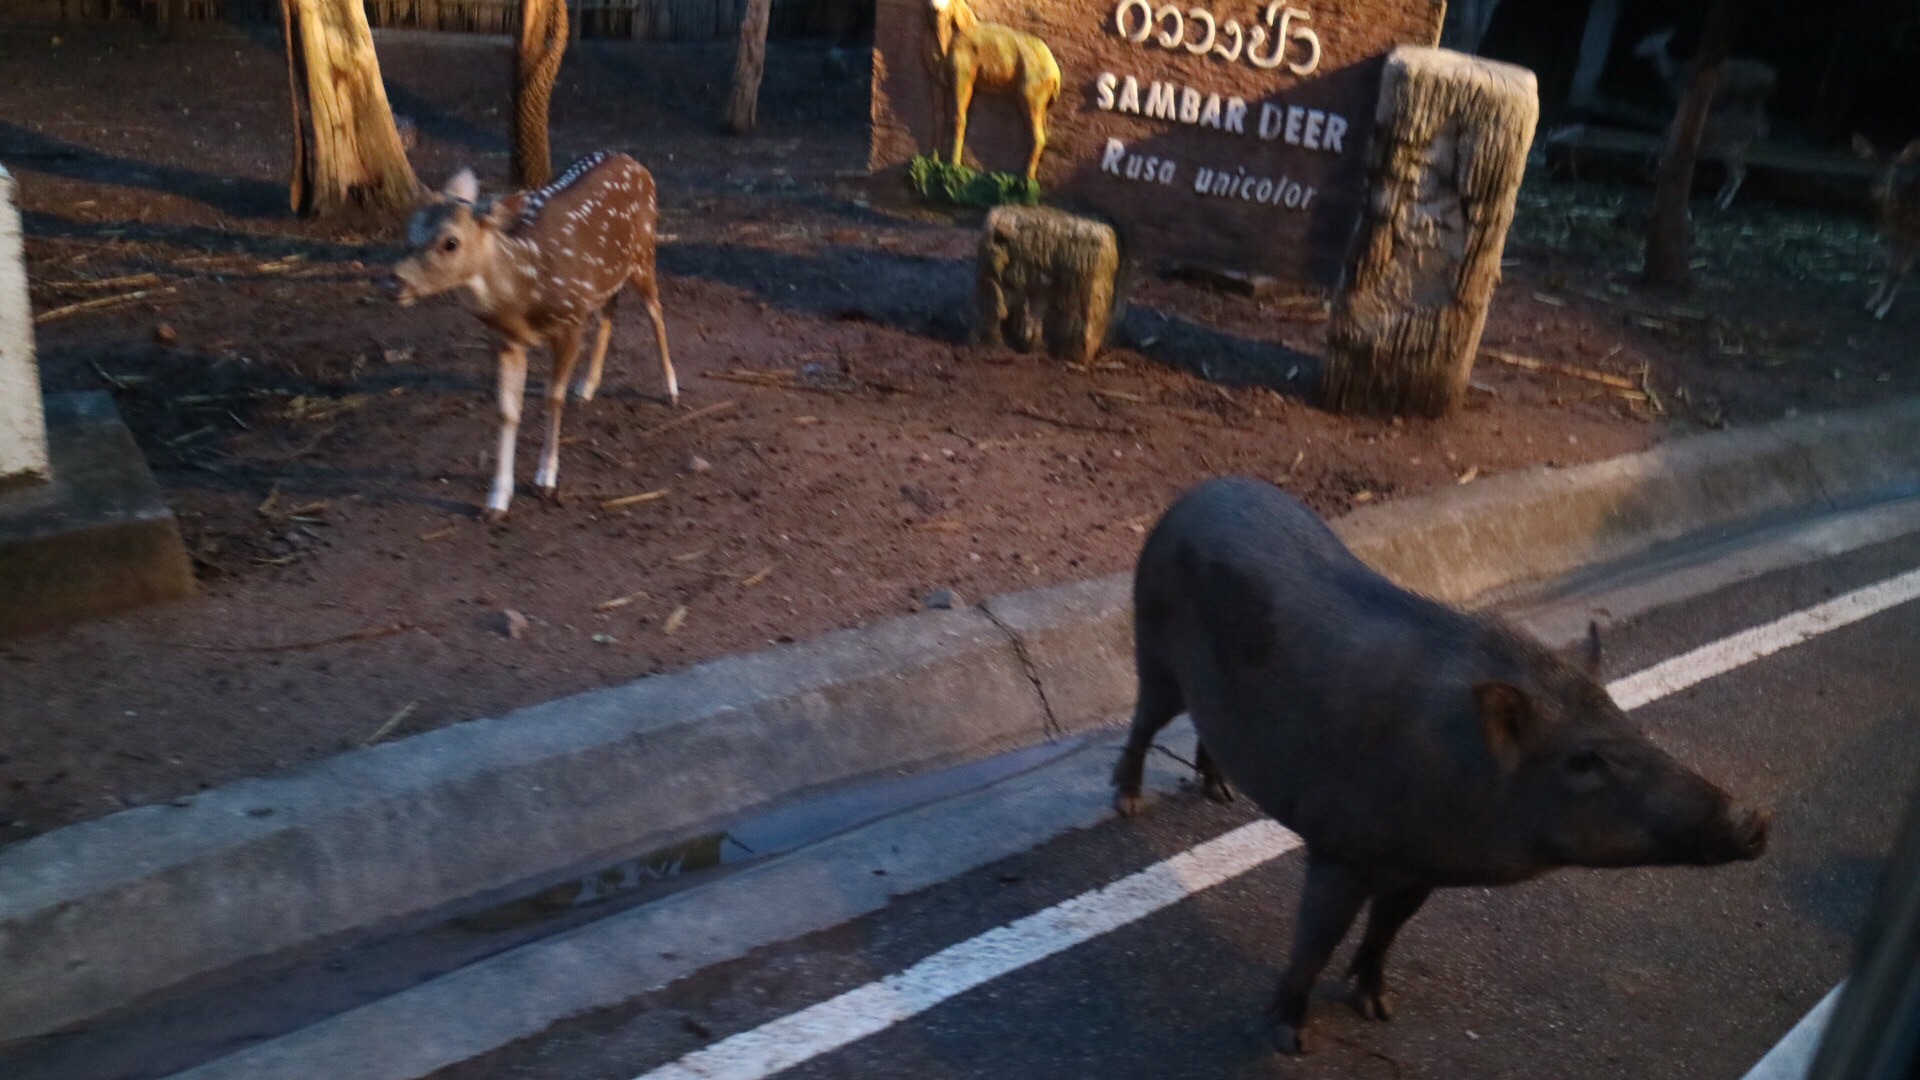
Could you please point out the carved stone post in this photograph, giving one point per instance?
(1048, 278)
(83, 527)
(1446, 165)
(23, 430)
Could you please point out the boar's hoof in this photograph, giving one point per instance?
(1218, 790)
(1372, 1004)
(1128, 805)
(1287, 1038)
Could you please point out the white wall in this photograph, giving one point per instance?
(23, 432)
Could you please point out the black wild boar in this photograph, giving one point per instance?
(1410, 745)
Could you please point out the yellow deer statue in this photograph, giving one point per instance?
(967, 54)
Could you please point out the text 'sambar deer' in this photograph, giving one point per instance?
(1896, 190)
(534, 266)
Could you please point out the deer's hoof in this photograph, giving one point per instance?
(494, 515)
(552, 496)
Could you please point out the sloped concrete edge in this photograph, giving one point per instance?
(95, 916)
(268, 864)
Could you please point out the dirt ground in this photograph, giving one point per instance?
(839, 453)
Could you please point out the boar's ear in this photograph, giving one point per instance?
(1507, 719)
(1907, 155)
(1863, 149)
(1592, 656)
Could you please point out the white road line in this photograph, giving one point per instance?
(1705, 662)
(873, 1008)
(1792, 1056)
(868, 1010)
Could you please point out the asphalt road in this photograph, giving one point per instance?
(1638, 973)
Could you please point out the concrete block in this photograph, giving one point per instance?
(23, 434)
(263, 865)
(95, 539)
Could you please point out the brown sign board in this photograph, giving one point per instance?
(1223, 133)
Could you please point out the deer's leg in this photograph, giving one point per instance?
(1736, 175)
(1898, 264)
(1037, 119)
(649, 288)
(513, 387)
(962, 100)
(565, 344)
(590, 381)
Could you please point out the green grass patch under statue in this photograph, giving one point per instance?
(956, 185)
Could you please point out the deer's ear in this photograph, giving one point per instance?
(493, 213)
(464, 186)
(1863, 149)
(1908, 154)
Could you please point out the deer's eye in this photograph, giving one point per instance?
(450, 244)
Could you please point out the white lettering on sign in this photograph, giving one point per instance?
(1278, 34)
(1117, 162)
(1311, 129)
(1242, 185)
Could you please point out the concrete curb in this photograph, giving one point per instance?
(264, 865)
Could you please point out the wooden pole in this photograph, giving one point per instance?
(749, 64)
(1669, 252)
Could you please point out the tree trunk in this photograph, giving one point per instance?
(536, 64)
(1596, 46)
(1444, 173)
(1669, 258)
(1466, 24)
(749, 64)
(346, 150)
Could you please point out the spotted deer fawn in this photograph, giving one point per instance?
(534, 266)
(1736, 118)
(1896, 189)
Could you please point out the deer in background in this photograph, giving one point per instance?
(967, 54)
(534, 266)
(1737, 117)
(1898, 197)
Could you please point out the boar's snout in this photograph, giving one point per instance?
(1733, 838)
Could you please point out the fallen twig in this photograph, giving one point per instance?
(1572, 371)
(634, 500)
(1032, 413)
(439, 534)
(1102, 393)
(757, 576)
(124, 281)
(688, 418)
(620, 601)
(675, 621)
(392, 722)
(95, 305)
(368, 633)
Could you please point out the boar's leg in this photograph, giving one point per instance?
(1332, 898)
(1211, 781)
(1389, 913)
(1159, 703)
